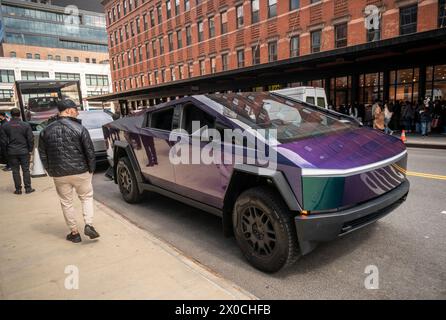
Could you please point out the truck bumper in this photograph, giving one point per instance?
(312, 229)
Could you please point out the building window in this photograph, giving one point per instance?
(76, 59)
(130, 5)
(341, 35)
(96, 80)
(408, 19)
(121, 35)
(436, 82)
(200, 31)
(13, 54)
(50, 57)
(92, 60)
(294, 46)
(138, 26)
(134, 56)
(159, 14)
(68, 58)
(442, 13)
(168, 9)
(224, 22)
(6, 95)
(161, 43)
(29, 56)
(144, 21)
(180, 72)
(126, 27)
(239, 11)
(272, 51)
(272, 8)
(188, 35)
(255, 54)
(213, 65)
(255, 9)
(155, 74)
(140, 53)
(294, 4)
(34, 75)
(67, 76)
(147, 50)
(87, 60)
(124, 5)
(154, 48)
(240, 58)
(152, 18)
(190, 69)
(163, 75)
(224, 61)
(119, 10)
(179, 39)
(172, 74)
(211, 27)
(132, 31)
(57, 58)
(177, 7)
(170, 40)
(202, 67)
(7, 76)
(129, 59)
(316, 41)
(404, 85)
(186, 5)
(340, 91)
(149, 76)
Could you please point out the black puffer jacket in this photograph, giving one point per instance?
(65, 148)
(16, 137)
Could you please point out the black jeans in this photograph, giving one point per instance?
(20, 161)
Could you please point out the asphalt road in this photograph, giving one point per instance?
(408, 246)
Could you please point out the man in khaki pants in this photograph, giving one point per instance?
(67, 154)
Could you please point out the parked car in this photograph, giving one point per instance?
(93, 121)
(333, 176)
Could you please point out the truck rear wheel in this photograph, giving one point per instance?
(128, 185)
(264, 229)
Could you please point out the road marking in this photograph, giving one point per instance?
(419, 174)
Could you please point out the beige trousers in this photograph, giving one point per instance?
(84, 189)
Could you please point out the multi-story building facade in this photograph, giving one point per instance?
(43, 41)
(156, 42)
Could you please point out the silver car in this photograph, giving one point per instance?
(93, 121)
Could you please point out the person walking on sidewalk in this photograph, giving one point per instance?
(18, 141)
(387, 118)
(67, 154)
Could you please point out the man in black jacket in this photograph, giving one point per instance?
(67, 153)
(18, 141)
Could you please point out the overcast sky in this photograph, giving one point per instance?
(91, 5)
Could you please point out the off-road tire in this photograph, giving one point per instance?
(128, 185)
(276, 216)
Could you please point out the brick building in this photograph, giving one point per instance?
(163, 48)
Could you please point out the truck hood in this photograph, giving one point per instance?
(342, 150)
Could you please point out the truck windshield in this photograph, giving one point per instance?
(292, 120)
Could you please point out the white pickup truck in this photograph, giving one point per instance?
(312, 95)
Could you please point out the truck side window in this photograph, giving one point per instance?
(162, 119)
(192, 113)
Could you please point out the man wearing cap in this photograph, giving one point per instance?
(17, 141)
(67, 154)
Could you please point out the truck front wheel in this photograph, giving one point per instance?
(264, 229)
(128, 185)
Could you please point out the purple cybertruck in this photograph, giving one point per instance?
(328, 177)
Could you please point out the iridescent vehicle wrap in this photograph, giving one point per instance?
(332, 175)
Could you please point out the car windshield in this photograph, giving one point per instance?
(292, 120)
(94, 120)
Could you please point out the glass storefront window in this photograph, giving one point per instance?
(370, 87)
(436, 82)
(340, 91)
(404, 85)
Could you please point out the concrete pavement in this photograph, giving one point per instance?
(126, 262)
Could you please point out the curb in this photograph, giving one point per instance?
(425, 145)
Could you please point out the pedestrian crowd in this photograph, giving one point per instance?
(422, 117)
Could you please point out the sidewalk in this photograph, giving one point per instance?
(125, 263)
(432, 141)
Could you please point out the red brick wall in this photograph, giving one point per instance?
(323, 14)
